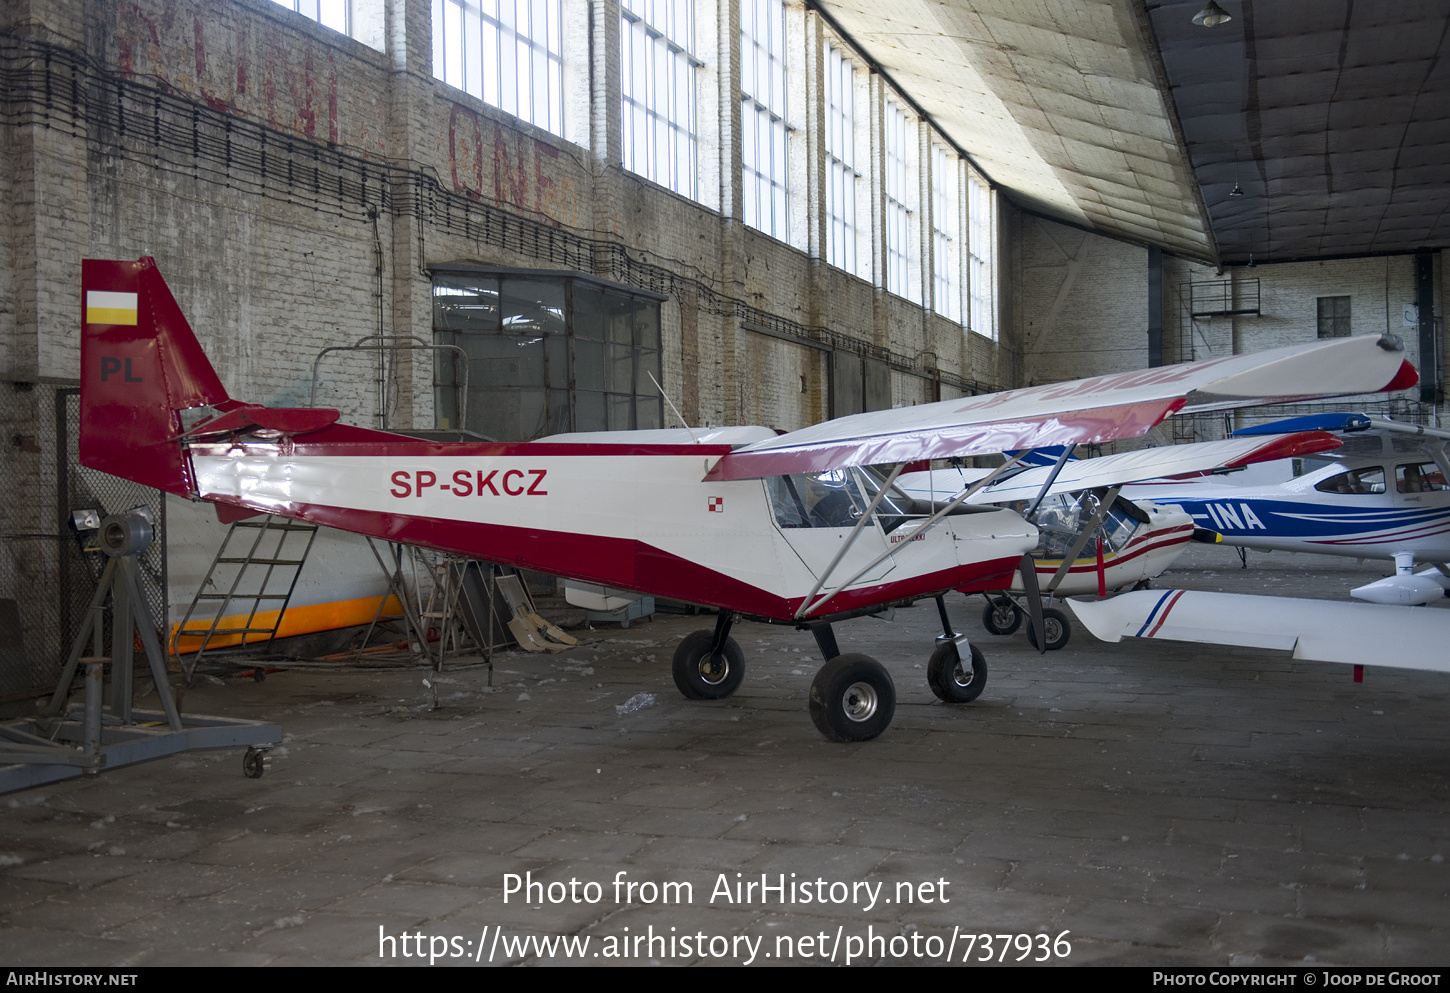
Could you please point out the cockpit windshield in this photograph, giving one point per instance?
(1062, 516)
(836, 498)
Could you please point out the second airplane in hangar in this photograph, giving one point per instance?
(1382, 495)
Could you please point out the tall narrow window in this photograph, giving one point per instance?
(508, 53)
(841, 172)
(657, 77)
(982, 268)
(898, 215)
(762, 113)
(946, 265)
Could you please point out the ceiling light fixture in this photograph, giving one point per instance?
(1237, 191)
(1251, 261)
(1211, 16)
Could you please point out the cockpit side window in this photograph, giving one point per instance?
(1424, 477)
(819, 500)
(1364, 481)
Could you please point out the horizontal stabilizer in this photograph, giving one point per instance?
(1318, 630)
(278, 422)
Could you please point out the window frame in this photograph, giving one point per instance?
(1338, 325)
(566, 389)
(843, 229)
(901, 250)
(764, 121)
(982, 257)
(946, 298)
(646, 49)
(462, 30)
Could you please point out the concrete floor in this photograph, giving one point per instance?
(1160, 804)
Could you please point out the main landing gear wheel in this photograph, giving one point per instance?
(1055, 627)
(951, 679)
(1002, 616)
(701, 677)
(256, 762)
(852, 698)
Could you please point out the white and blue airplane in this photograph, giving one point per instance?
(1382, 495)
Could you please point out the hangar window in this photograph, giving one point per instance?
(982, 257)
(657, 80)
(946, 265)
(361, 20)
(763, 116)
(1334, 317)
(841, 175)
(899, 226)
(508, 53)
(548, 352)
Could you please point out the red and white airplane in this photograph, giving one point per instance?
(789, 529)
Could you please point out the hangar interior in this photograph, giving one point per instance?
(781, 211)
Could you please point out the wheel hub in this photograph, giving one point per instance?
(714, 669)
(860, 701)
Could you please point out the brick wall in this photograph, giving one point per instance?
(273, 167)
(1080, 305)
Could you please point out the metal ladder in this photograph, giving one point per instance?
(256, 558)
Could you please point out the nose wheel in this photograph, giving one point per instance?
(954, 679)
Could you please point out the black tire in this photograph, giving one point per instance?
(699, 677)
(852, 698)
(255, 762)
(1002, 616)
(1055, 627)
(950, 680)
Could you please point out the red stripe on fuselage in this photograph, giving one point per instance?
(629, 563)
(1169, 538)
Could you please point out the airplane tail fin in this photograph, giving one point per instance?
(141, 365)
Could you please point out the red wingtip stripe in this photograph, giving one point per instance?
(1404, 379)
(1287, 447)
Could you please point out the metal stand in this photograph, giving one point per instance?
(62, 742)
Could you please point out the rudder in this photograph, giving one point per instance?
(140, 365)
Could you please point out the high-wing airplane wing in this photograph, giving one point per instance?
(1322, 630)
(1102, 408)
(1147, 463)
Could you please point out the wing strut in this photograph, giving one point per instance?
(807, 607)
(851, 538)
(1031, 511)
